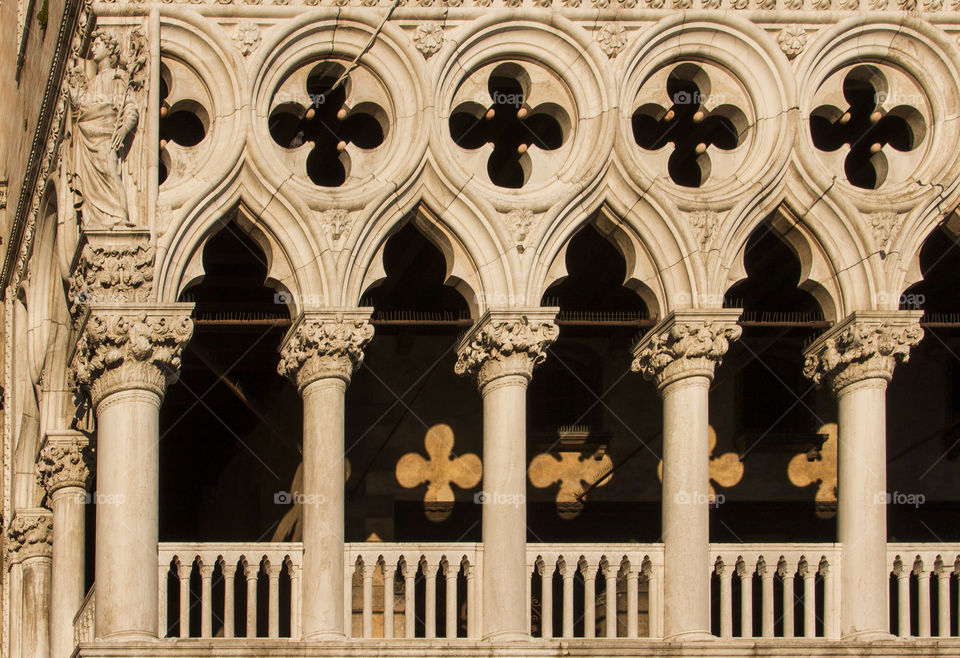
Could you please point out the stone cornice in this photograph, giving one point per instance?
(865, 345)
(130, 346)
(686, 344)
(66, 460)
(30, 535)
(506, 342)
(325, 343)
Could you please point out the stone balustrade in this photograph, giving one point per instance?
(920, 601)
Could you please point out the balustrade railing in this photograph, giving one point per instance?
(921, 579)
(595, 590)
(434, 590)
(776, 590)
(83, 620)
(230, 590)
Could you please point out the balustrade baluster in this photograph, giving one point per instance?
(546, 598)
(589, 599)
(633, 595)
(409, 602)
(786, 575)
(726, 598)
(273, 603)
(451, 572)
(388, 576)
(567, 572)
(206, 598)
(809, 601)
(610, 574)
(251, 571)
(766, 591)
(923, 599)
(943, 601)
(746, 599)
(430, 607)
(183, 572)
(228, 596)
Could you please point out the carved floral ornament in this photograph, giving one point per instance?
(125, 347)
(325, 345)
(112, 274)
(685, 344)
(505, 344)
(30, 535)
(867, 345)
(65, 464)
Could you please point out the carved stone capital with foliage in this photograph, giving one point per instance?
(30, 535)
(866, 345)
(325, 344)
(65, 463)
(112, 271)
(126, 347)
(506, 343)
(686, 344)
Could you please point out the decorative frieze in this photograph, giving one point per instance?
(866, 345)
(506, 343)
(65, 464)
(685, 344)
(30, 535)
(324, 344)
(130, 347)
(112, 272)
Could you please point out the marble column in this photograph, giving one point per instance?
(856, 359)
(64, 471)
(500, 352)
(320, 353)
(680, 354)
(30, 539)
(126, 357)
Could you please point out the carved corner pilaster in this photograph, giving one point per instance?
(130, 346)
(30, 535)
(67, 460)
(865, 345)
(507, 342)
(111, 267)
(325, 344)
(685, 344)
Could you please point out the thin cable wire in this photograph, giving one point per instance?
(373, 37)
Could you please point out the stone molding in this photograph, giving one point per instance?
(506, 342)
(30, 535)
(114, 267)
(686, 344)
(65, 461)
(865, 345)
(124, 347)
(325, 344)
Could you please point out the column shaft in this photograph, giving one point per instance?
(128, 504)
(323, 509)
(68, 567)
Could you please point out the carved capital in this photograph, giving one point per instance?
(65, 462)
(686, 344)
(324, 344)
(124, 347)
(114, 267)
(506, 343)
(30, 535)
(865, 345)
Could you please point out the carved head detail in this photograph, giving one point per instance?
(104, 45)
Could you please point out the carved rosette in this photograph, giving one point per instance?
(686, 344)
(111, 274)
(130, 347)
(30, 535)
(325, 344)
(506, 343)
(65, 464)
(867, 345)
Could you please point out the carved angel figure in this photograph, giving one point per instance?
(105, 115)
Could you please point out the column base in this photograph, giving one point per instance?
(325, 636)
(130, 636)
(691, 636)
(506, 636)
(869, 636)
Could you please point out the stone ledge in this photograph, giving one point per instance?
(243, 648)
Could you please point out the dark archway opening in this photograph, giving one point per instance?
(765, 412)
(230, 428)
(588, 413)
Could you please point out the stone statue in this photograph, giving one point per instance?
(103, 102)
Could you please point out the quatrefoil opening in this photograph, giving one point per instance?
(514, 116)
(328, 119)
(696, 123)
(862, 127)
(184, 120)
